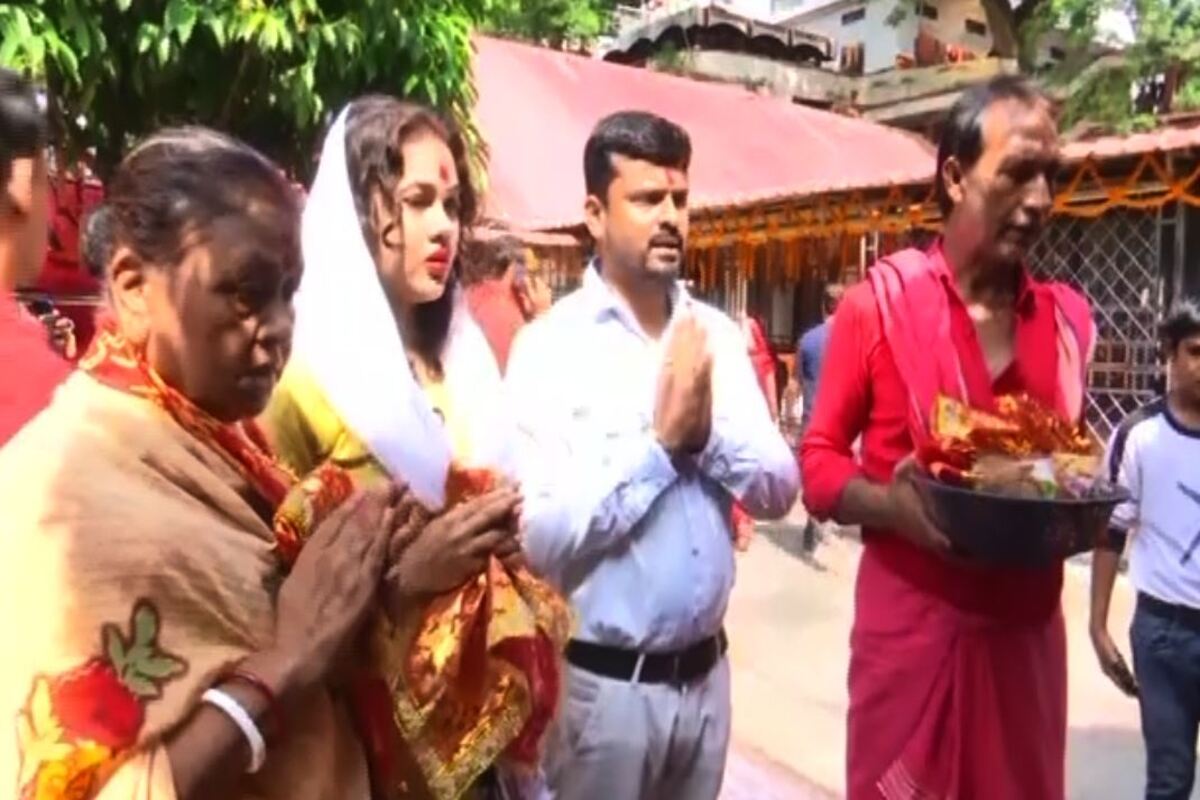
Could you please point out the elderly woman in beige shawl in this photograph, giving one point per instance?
(168, 635)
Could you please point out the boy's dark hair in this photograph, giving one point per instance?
(1183, 322)
(962, 133)
(634, 134)
(22, 125)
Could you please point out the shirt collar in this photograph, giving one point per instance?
(604, 301)
(1026, 285)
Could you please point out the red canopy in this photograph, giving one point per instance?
(537, 106)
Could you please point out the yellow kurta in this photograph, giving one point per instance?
(306, 431)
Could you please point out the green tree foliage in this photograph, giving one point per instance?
(1158, 73)
(555, 23)
(269, 71)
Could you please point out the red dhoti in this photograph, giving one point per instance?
(952, 702)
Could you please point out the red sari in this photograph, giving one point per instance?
(957, 673)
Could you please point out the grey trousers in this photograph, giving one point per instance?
(618, 740)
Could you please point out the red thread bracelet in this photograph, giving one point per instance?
(274, 710)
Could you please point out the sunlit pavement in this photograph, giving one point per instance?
(789, 625)
(749, 775)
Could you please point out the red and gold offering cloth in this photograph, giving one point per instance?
(1021, 450)
(475, 676)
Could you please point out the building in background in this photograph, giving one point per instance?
(899, 62)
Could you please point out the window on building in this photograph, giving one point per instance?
(851, 17)
(929, 11)
(1058, 54)
(976, 28)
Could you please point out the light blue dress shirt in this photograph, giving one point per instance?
(643, 550)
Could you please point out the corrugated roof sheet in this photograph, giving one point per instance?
(1172, 137)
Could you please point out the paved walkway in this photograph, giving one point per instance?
(789, 623)
(750, 775)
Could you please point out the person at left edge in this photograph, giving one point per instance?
(31, 369)
(627, 497)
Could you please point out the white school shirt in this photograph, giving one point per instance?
(1158, 460)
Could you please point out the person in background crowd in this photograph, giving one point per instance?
(30, 366)
(1154, 454)
(810, 354)
(502, 292)
(762, 358)
(185, 607)
(639, 423)
(95, 240)
(957, 671)
(392, 379)
(810, 351)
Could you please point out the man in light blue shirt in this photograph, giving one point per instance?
(639, 422)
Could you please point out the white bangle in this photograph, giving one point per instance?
(234, 710)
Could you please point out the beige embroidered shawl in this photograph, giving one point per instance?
(134, 571)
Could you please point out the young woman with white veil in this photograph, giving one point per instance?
(391, 378)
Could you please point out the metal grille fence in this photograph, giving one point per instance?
(1115, 259)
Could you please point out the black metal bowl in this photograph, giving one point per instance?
(1019, 531)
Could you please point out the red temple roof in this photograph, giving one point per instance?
(537, 106)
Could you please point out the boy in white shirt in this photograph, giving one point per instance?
(1155, 454)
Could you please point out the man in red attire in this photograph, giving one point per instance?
(29, 369)
(958, 671)
(503, 293)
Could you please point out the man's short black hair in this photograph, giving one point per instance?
(962, 133)
(22, 126)
(634, 134)
(1183, 322)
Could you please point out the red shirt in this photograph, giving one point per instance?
(30, 369)
(498, 314)
(861, 392)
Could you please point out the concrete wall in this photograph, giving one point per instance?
(881, 40)
(884, 40)
(885, 91)
(783, 80)
(758, 9)
(951, 25)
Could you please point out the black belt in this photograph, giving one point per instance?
(1161, 608)
(680, 667)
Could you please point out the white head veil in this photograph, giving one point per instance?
(347, 337)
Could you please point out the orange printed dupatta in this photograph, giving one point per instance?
(469, 680)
